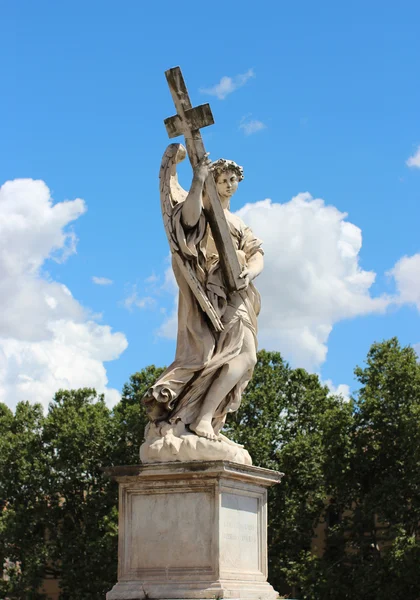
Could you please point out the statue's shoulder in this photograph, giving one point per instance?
(235, 221)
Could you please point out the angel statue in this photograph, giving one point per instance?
(217, 329)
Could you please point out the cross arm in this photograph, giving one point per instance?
(194, 118)
(188, 122)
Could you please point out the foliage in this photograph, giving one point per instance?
(289, 422)
(355, 464)
(22, 518)
(130, 417)
(374, 552)
(60, 511)
(82, 516)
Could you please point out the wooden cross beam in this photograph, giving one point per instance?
(187, 122)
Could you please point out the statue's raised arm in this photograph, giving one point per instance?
(183, 246)
(193, 204)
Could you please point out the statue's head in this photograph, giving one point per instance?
(227, 175)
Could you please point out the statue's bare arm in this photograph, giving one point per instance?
(252, 270)
(193, 203)
(255, 265)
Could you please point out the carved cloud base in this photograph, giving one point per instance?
(193, 531)
(168, 443)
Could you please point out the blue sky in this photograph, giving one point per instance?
(323, 98)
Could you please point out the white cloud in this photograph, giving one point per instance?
(152, 278)
(250, 126)
(134, 300)
(311, 280)
(47, 339)
(414, 161)
(417, 349)
(169, 327)
(102, 280)
(406, 273)
(169, 284)
(227, 85)
(156, 288)
(340, 390)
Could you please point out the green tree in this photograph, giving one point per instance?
(374, 552)
(23, 504)
(290, 422)
(356, 461)
(78, 439)
(130, 416)
(60, 511)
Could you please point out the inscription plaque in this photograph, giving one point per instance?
(163, 518)
(239, 533)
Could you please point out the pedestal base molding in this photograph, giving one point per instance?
(133, 590)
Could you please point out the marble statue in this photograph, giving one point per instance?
(217, 322)
(192, 523)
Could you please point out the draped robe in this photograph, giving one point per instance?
(201, 352)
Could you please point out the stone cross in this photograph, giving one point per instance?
(187, 122)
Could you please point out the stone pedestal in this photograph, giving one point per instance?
(192, 530)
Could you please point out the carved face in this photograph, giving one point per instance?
(227, 184)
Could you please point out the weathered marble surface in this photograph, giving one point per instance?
(193, 530)
(166, 443)
(216, 259)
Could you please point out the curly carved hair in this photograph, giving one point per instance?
(222, 165)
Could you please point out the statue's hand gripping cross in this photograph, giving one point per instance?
(187, 122)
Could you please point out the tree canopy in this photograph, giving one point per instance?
(351, 465)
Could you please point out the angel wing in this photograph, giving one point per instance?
(171, 193)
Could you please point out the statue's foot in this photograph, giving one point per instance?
(204, 429)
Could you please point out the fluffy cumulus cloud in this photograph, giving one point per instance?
(47, 339)
(406, 273)
(227, 85)
(414, 161)
(312, 278)
(342, 389)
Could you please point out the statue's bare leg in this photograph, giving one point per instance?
(230, 374)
